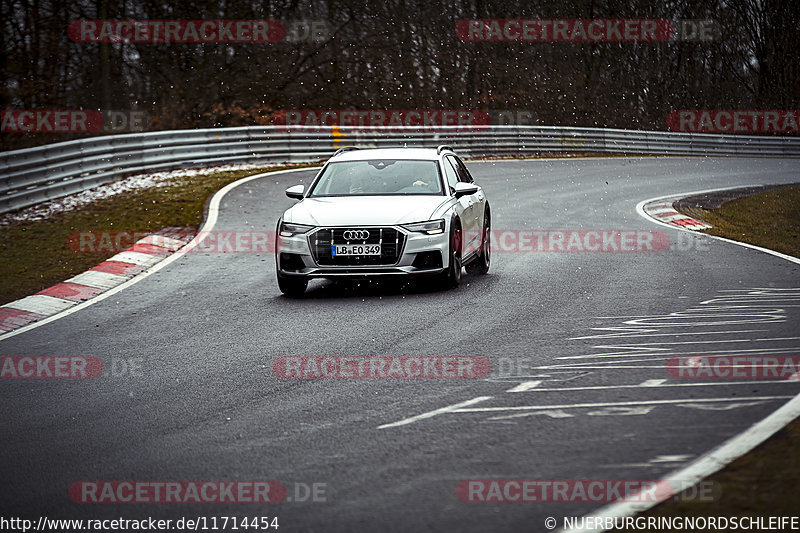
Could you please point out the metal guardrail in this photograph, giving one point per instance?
(34, 175)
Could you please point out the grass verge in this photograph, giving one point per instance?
(763, 482)
(35, 255)
(769, 219)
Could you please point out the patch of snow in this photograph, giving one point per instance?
(47, 209)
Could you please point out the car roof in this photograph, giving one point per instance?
(424, 154)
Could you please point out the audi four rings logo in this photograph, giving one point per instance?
(356, 235)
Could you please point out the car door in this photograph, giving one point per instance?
(463, 204)
(473, 209)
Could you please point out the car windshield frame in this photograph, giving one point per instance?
(348, 174)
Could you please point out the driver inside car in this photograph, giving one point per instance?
(358, 183)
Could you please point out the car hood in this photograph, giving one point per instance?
(363, 210)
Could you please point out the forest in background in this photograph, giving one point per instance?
(398, 54)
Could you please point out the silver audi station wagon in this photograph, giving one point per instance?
(385, 212)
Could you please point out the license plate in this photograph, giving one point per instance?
(356, 249)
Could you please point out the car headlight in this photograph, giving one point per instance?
(432, 227)
(290, 230)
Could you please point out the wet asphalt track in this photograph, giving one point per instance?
(205, 330)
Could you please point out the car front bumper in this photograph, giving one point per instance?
(419, 255)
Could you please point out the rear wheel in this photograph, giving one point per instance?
(292, 287)
(481, 263)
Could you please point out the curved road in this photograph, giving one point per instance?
(578, 344)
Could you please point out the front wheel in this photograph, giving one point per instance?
(480, 265)
(292, 287)
(452, 276)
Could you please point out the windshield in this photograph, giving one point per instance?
(379, 177)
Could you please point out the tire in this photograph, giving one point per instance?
(480, 265)
(451, 278)
(293, 288)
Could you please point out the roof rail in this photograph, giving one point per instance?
(443, 147)
(344, 149)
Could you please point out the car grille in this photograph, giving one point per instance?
(390, 239)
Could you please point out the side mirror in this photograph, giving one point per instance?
(464, 189)
(296, 192)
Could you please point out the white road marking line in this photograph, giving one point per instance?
(670, 459)
(728, 407)
(754, 289)
(454, 409)
(552, 414)
(720, 383)
(665, 385)
(524, 386)
(632, 465)
(778, 306)
(682, 354)
(756, 292)
(448, 409)
(695, 356)
(98, 280)
(41, 304)
(652, 382)
(626, 316)
(613, 366)
(608, 364)
(750, 300)
(621, 332)
(720, 341)
(623, 411)
(618, 363)
(657, 462)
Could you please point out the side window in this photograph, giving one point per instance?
(450, 174)
(463, 173)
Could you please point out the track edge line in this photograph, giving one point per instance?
(210, 220)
